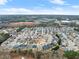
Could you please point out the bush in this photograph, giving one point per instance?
(56, 47)
(71, 54)
(3, 37)
(20, 28)
(76, 29)
(59, 41)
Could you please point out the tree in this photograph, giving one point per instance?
(3, 37)
(20, 28)
(71, 54)
(55, 48)
(59, 41)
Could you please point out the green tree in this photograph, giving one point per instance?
(3, 37)
(71, 54)
(55, 48)
(20, 28)
(59, 41)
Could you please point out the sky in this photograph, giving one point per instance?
(49, 7)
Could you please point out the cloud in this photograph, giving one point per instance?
(29, 11)
(75, 6)
(24, 11)
(14, 11)
(60, 2)
(2, 2)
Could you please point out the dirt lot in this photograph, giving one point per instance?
(15, 56)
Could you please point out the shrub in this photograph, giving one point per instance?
(56, 47)
(3, 37)
(20, 28)
(71, 54)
